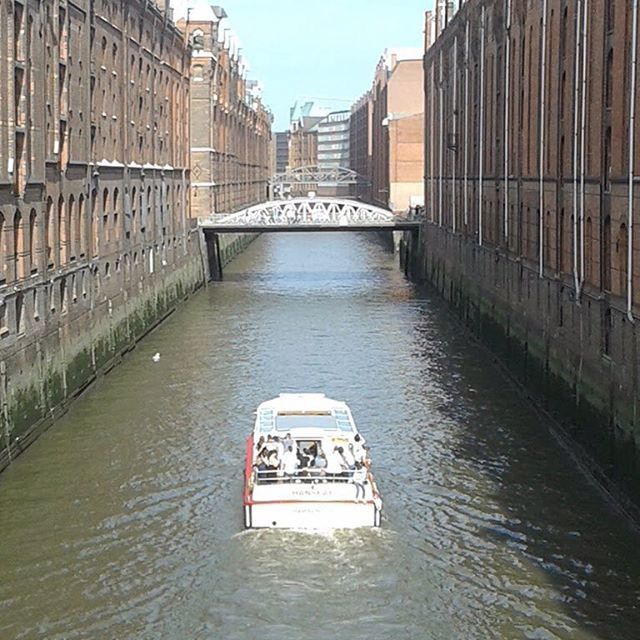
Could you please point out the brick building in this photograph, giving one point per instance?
(360, 145)
(94, 235)
(230, 127)
(387, 127)
(282, 151)
(531, 168)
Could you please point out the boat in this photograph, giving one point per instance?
(307, 467)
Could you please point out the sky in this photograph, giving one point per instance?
(299, 49)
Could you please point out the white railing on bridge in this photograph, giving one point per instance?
(306, 211)
(317, 175)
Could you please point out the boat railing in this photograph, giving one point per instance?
(307, 475)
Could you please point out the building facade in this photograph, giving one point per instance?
(333, 140)
(391, 116)
(531, 172)
(230, 127)
(360, 145)
(282, 151)
(95, 239)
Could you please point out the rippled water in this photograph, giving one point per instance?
(124, 521)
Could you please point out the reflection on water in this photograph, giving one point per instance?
(124, 521)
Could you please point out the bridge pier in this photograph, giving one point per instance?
(214, 258)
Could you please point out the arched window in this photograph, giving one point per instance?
(48, 233)
(71, 227)
(62, 233)
(33, 264)
(81, 226)
(116, 204)
(622, 259)
(105, 202)
(94, 237)
(19, 313)
(609, 79)
(64, 303)
(18, 245)
(606, 254)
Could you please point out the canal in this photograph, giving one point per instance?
(124, 521)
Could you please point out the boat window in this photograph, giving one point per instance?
(343, 422)
(266, 420)
(287, 421)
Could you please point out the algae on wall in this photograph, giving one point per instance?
(552, 345)
(42, 373)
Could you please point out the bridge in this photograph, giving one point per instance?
(314, 175)
(333, 181)
(301, 215)
(309, 214)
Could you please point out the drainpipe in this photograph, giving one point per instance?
(576, 96)
(583, 135)
(441, 145)
(454, 185)
(466, 123)
(507, 97)
(543, 80)
(432, 163)
(481, 133)
(632, 131)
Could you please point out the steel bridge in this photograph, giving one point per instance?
(318, 175)
(309, 214)
(300, 215)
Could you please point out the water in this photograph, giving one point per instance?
(124, 521)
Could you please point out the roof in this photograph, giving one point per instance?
(302, 402)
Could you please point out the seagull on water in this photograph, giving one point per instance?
(156, 357)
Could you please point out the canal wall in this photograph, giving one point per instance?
(93, 317)
(577, 358)
(233, 244)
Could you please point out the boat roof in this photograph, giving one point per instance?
(304, 413)
(303, 402)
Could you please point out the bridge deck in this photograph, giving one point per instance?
(398, 225)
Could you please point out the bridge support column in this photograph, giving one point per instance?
(214, 261)
(409, 253)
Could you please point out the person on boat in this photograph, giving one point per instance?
(287, 442)
(359, 479)
(309, 454)
(334, 463)
(348, 457)
(320, 461)
(344, 464)
(289, 463)
(359, 448)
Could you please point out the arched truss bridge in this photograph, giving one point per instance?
(316, 175)
(309, 214)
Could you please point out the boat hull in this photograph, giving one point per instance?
(311, 515)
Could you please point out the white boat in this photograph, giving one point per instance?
(327, 485)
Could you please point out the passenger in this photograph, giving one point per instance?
(320, 462)
(359, 479)
(344, 466)
(359, 449)
(289, 462)
(348, 456)
(310, 454)
(334, 463)
(280, 448)
(288, 441)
